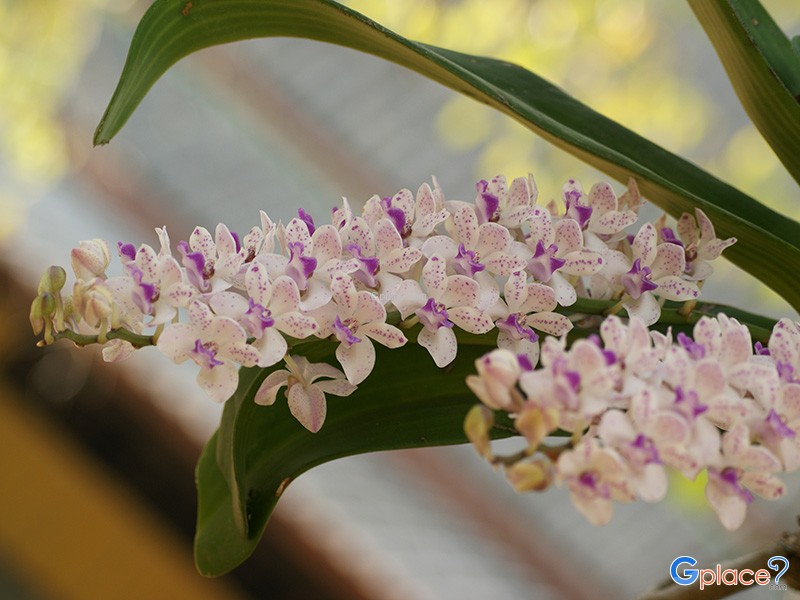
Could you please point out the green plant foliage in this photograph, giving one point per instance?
(171, 30)
(763, 68)
(406, 402)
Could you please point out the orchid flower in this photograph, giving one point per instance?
(354, 319)
(215, 344)
(305, 394)
(271, 308)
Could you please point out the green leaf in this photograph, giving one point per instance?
(173, 29)
(763, 68)
(406, 402)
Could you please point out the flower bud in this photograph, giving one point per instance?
(477, 424)
(43, 308)
(94, 302)
(536, 423)
(498, 372)
(530, 476)
(90, 259)
(53, 280)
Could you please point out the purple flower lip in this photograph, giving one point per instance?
(544, 263)
(487, 204)
(237, 242)
(205, 355)
(669, 237)
(637, 281)
(695, 350)
(398, 217)
(143, 294)
(644, 450)
(573, 377)
(577, 212)
(367, 266)
(760, 349)
(343, 332)
(308, 220)
(514, 326)
(778, 426)
(689, 402)
(127, 250)
(785, 372)
(300, 268)
(196, 268)
(466, 262)
(524, 362)
(609, 355)
(257, 318)
(730, 477)
(433, 315)
(591, 481)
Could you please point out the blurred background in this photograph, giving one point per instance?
(96, 460)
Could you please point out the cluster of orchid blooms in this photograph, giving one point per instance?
(632, 401)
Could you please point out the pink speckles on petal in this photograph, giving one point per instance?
(461, 291)
(675, 288)
(344, 294)
(466, 223)
(670, 260)
(550, 323)
(602, 197)
(387, 238)
(493, 238)
(434, 276)
(327, 244)
(308, 406)
(386, 335)
(441, 345)
(644, 244)
(470, 319)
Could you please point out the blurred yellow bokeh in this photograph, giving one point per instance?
(42, 46)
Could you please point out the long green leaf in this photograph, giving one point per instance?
(763, 68)
(173, 29)
(406, 402)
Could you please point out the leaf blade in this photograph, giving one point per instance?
(763, 69)
(165, 35)
(390, 410)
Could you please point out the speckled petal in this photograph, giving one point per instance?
(461, 291)
(356, 360)
(308, 406)
(644, 244)
(550, 322)
(219, 382)
(387, 238)
(466, 222)
(441, 345)
(670, 260)
(676, 288)
(344, 294)
(297, 231)
(645, 307)
(271, 348)
(470, 319)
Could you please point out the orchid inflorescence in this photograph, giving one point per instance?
(635, 403)
(629, 400)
